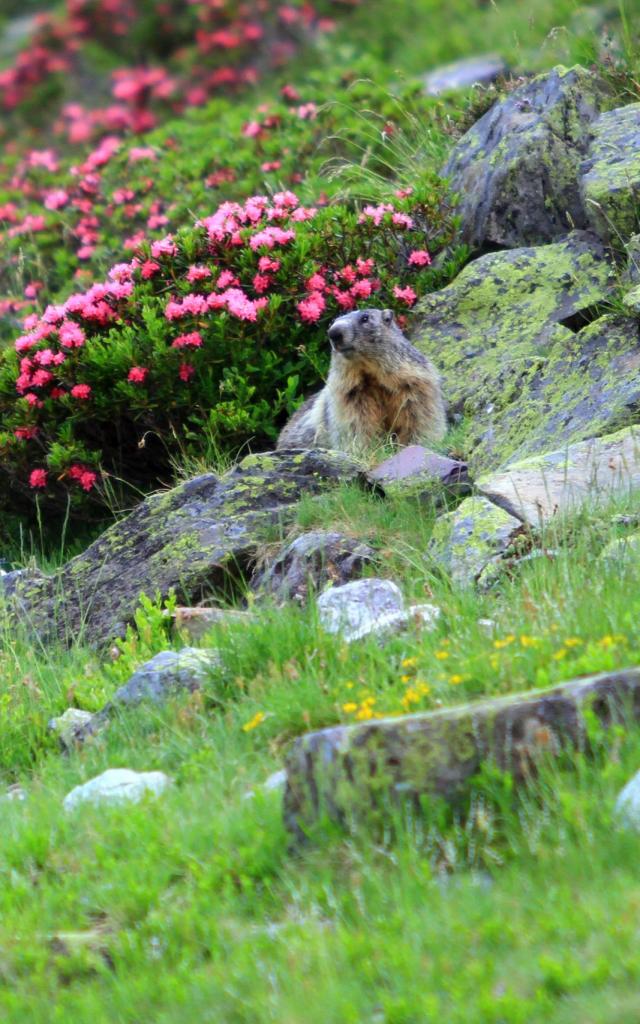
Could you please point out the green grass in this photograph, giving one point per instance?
(194, 907)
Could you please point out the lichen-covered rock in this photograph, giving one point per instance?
(493, 327)
(167, 673)
(309, 562)
(195, 540)
(466, 541)
(536, 489)
(588, 384)
(624, 551)
(364, 770)
(117, 786)
(68, 725)
(611, 173)
(359, 608)
(416, 471)
(462, 74)
(516, 170)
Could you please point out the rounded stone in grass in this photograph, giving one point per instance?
(627, 809)
(117, 786)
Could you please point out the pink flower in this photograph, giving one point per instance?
(193, 340)
(311, 309)
(403, 193)
(71, 335)
(25, 433)
(165, 247)
(138, 374)
(38, 478)
(56, 199)
(316, 283)
(406, 295)
(361, 289)
(196, 273)
(226, 279)
(149, 269)
(402, 220)
(265, 264)
(186, 372)
(261, 282)
(85, 477)
(419, 258)
(81, 392)
(141, 153)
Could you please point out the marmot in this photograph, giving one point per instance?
(378, 384)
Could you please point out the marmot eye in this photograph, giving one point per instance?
(364, 319)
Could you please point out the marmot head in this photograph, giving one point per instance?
(362, 333)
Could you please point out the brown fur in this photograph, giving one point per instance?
(378, 385)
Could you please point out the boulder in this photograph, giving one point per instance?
(117, 786)
(466, 541)
(359, 771)
(371, 607)
(496, 327)
(167, 673)
(610, 179)
(195, 540)
(588, 384)
(543, 486)
(516, 171)
(417, 471)
(462, 74)
(308, 563)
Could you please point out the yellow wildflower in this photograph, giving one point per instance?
(499, 644)
(529, 641)
(350, 707)
(253, 722)
(406, 679)
(572, 641)
(559, 655)
(409, 662)
(441, 655)
(455, 679)
(364, 713)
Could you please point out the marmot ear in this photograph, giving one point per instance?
(387, 316)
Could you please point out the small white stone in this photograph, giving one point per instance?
(360, 607)
(117, 785)
(628, 804)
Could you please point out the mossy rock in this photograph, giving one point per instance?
(198, 539)
(466, 541)
(499, 329)
(516, 171)
(362, 772)
(611, 174)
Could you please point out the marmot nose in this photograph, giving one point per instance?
(336, 335)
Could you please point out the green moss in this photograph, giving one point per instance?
(466, 540)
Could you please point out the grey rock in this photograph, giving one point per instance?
(543, 486)
(167, 673)
(466, 541)
(117, 786)
(627, 807)
(462, 74)
(610, 179)
(70, 725)
(363, 771)
(502, 335)
(310, 562)
(416, 470)
(194, 540)
(516, 170)
(358, 609)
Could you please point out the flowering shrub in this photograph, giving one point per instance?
(217, 329)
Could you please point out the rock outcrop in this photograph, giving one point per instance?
(362, 771)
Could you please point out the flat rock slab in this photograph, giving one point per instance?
(309, 563)
(195, 540)
(516, 170)
(493, 330)
(117, 786)
(537, 489)
(464, 542)
(611, 173)
(348, 772)
(462, 74)
(416, 470)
